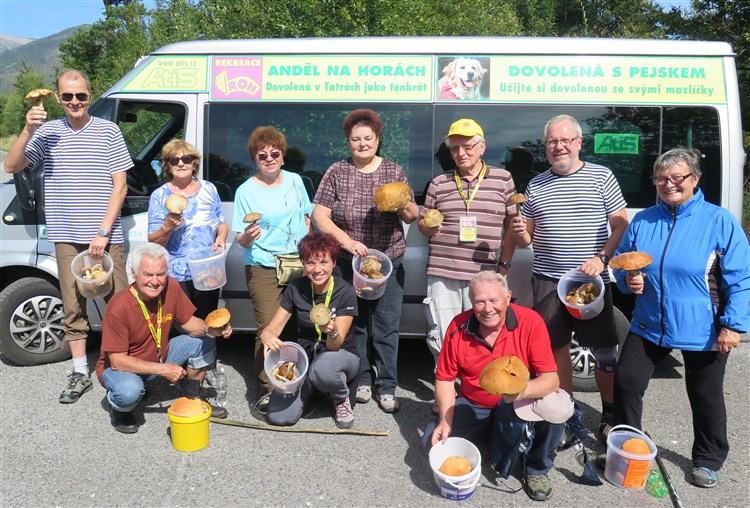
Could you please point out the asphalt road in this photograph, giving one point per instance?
(69, 455)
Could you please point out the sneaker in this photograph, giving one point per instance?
(704, 477)
(604, 429)
(260, 408)
(364, 394)
(78, 384)
(344, 417)
(388, 403)
(537, 486)
(124, 421)
(567, 441)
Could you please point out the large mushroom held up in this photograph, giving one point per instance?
(633, 262)
(36, 97)
(518, 200)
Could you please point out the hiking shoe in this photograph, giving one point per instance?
(704, 477)
(78, 384)
(124, 421)
(388, 403)
(537, 486)
(604, 429)
(219, 412)
(344, 417)
(364, 394)
(567, 441)
(260, 409)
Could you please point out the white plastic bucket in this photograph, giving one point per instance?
(93, 288)
(207, 268)
(623, 469)
(367, 288)
(290, 352)
(456, 487)
(573, 279)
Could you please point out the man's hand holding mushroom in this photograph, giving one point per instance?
(37, 115)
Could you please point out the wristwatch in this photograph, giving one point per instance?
(604, 258)
(504, 264)
(103, 232)
(334, 335)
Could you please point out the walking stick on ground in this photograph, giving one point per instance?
(276, 428)
(676, 501)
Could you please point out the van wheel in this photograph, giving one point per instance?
(32, 322)
(583, 359)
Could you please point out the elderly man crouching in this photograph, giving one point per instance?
(135, 338)
(494, 328)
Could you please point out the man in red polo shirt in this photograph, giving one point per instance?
(491, 329)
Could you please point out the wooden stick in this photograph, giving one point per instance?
(276, 428)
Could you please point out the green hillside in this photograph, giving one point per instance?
(43, 55)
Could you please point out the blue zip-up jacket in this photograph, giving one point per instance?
(699, 281)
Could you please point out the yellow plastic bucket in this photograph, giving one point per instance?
(190, 434)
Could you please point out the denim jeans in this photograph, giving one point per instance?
(126, 389)
(508, 435)
(380, 354)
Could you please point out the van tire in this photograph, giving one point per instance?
(31, 323)
(583, 359)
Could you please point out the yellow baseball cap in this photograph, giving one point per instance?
(465, 127)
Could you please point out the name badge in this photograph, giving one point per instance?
(467, 229)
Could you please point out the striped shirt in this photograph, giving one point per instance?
(78, 169)
(456, 260)
(350, 194)
(570, 214)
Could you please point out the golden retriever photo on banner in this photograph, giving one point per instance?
(462, 79)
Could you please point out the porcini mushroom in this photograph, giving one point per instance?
(37, 96)
(252, 217)
(176, 203)
(218, 318)
(631, 261)
(517, 199)
(320, 314)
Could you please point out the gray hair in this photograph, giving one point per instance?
(152, 250)
(487, 276)
(670, 158)
(563, 118)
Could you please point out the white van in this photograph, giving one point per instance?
(633, 98)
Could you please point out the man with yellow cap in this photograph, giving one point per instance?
(475, 233)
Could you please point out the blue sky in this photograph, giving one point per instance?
(53, 16)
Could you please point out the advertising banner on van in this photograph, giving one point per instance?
(171, 74)
(607, 79)
(322, 78)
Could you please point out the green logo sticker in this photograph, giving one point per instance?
(610, 142)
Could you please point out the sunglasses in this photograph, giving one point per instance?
(186, 159)
(274, 155)
(81, 96)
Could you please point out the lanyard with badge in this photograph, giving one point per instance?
(329, 293)
(467, 225)
(155, 332)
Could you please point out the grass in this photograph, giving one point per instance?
(6, 142)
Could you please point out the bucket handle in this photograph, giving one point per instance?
(469, 486)
(623, 426)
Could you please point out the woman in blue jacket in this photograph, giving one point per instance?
(692, 297)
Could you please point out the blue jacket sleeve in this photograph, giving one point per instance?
(735, 273)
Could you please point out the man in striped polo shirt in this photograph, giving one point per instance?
(566, 216)
(475, 234)
(85, 165)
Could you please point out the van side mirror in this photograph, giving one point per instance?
(24, 181)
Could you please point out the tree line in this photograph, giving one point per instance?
(110, 47)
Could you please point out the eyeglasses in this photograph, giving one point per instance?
(186, 159)
(677, 179)
(466, 148)
(552, 143)
(274, 155)
(81, 96)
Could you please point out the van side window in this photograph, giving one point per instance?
(625, 139)
(316, 140)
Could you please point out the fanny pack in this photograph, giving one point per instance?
(288, 268)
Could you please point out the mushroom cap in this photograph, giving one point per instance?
(504, 375)
(320, 314)
(218, 318)
(176, 203)
(252, 217)
(433, 218)
(456, 466)
(517, 199)
(392, 196)
(187, 408)
(37, 95)
(630, 261)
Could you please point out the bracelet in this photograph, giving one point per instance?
(504, 264)
(208, 334)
